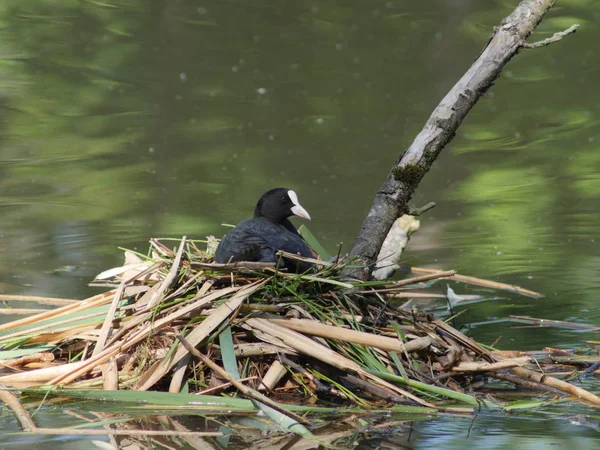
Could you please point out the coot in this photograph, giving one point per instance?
(259, 238)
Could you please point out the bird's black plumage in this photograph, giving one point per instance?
(260, 238)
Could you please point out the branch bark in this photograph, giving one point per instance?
(391, 201)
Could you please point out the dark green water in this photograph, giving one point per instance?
(125, 120)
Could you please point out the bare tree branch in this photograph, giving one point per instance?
(391, 201)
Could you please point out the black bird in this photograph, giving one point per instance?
(260, 238)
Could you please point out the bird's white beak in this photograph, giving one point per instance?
(297, 209)
(300, 212)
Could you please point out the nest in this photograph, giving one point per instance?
(177, 321)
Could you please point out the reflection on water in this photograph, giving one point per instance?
(488, 433)
(483, 431)
(125, 120)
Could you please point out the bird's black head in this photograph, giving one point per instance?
(279, 204)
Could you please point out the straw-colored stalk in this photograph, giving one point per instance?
(315, 328)
(307, 346)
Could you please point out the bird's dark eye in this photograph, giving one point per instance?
(283, 199)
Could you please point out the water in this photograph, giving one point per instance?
(126, 120)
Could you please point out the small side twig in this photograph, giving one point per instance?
(554, 38)
(421, 210)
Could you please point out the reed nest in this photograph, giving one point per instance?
(175, 321)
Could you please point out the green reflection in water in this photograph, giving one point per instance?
(505, 204)
(584, 167)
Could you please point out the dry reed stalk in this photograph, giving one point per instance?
(269, 339)
(39, 376)
(161, 249)
(206, 286)
(42, 357)
(273, 375)
(518, 381)
(259, 349)
(169, 279)
(262, 308)
(110, 375)
(36, 299)
(110, 316)
(233, 267)
(316, 328)
(579, 393)
(179, 374)
(472, 366)
(20, 311)
(303, 344)
(482, 282)
(141, 303)
(81, 332)
(318, 262)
